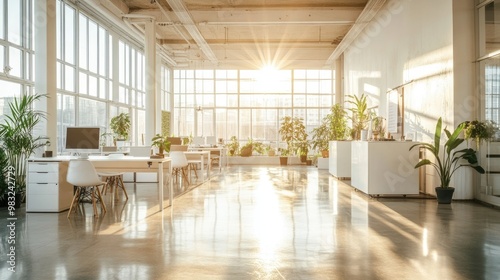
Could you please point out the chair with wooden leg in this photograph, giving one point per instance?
(179, 165)
(114, 182)
(83, 176)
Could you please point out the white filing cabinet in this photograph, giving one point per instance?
(47, 189)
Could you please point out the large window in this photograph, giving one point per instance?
(100, 74)
(16, 50)
(248, 104)
(489, 58)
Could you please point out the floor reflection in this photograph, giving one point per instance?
(250, 222)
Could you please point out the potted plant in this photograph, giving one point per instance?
(448, 160)
(233, 146)
(292, 132)
(378, 128)
(247, 149)
(479, 131)
(360, 114)
(303, 150)
(18, 141)
(121, 125)
(333, 127)
(162, 143)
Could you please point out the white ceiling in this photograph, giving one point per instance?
(247, 34)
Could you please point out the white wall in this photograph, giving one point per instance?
(412, 42)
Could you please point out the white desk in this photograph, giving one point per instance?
(202, 155)
(222, 153)
(123, 164)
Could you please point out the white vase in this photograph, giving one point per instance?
(364, 135)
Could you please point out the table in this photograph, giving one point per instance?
(125, 164)
(222, 153)
(202, 155)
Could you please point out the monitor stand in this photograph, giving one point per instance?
(81, 155)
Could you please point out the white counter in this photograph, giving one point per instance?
(340, 159)
(384, 167)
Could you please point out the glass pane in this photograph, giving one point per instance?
(93, 86)
(58, 30)
(92, 46)
(9, 91)
(2, 24)
(102, 88)
(90, 113)
(83, 83)
(2, 56)
(15, 62)
(141, 127)
(492, 28)
(69, 34)
(82, 36)
(69, 78)
(14, 34)
(102, 51)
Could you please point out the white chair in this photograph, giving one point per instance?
(179, 165)
(82, 175)
(114, 181)
(215, 158)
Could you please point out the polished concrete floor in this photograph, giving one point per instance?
(258, 223)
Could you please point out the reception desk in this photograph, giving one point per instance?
(384, 167)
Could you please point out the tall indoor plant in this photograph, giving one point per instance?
(292, 131)
(18, 140)
(448, 160)
(333, 127)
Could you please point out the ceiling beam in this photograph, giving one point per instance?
(182, 13)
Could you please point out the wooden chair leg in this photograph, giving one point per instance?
(103, 207)
(122, 186)
(76, 197)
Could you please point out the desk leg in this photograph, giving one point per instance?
(160, 184)
(202, 167)
(209, 166)
(171, 196)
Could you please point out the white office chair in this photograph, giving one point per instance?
(179, 165)
(82, 175)
(114, 181)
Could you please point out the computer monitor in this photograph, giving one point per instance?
(82, 140)
(211, 140)
(175, 140)
(198, 140)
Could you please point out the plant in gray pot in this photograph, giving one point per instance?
(448, 160)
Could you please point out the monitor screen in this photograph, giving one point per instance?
(83, 139)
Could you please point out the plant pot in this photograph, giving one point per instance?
(303, 158)
(309, 162)
(246, 151)
(325, 153)
(444, 195)
(283, 160)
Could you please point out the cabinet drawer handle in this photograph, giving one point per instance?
(42, 183)
(43, 172)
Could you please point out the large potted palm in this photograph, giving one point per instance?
(17, 138)
(448, 159)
